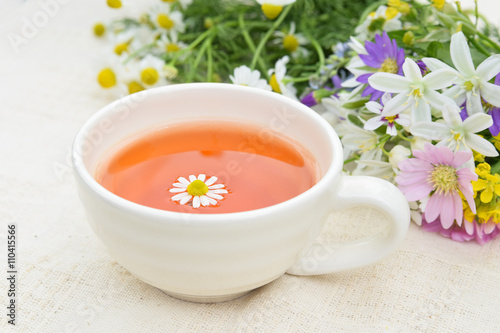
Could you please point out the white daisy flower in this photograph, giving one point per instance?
(121, 41)
(272, 8)
(169, 43)
(201, 192)
(166, 19)
(383, 119)
(244, 76)
(111, 73)
(151, 71)
(278, 76)
(384, 19)
(292, 42)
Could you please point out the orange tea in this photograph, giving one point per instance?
(208, 167)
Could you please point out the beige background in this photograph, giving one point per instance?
(69, 283)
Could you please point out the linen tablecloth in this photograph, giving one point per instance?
(67, 281)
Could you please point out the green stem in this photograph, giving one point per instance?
(249, 41)
(297, 79)
(196, 62)
(209, 61)
(191, 46)
(404, 137)
(268, 34)
(479, 47)
(321, 54)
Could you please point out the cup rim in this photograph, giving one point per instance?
(166, 216)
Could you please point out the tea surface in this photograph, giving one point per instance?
(258, 167)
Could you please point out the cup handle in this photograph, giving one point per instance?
(359, 191)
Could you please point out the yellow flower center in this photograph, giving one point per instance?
(416, 93)
(390, 119)
(468, 85)
(134, 87)
(197, 188)
(171, 47)
(120, 48)
(444, 179)
(271, 11)
(149, 76)
(389, 66)
(165, 22)
(391, 13)
(439, 4)
(273, 82)
(114, 3)
(99, 29)
(106, 78)
(290, 43)
(170, 1)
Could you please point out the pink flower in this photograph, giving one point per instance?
(480, 232)
(438, 172)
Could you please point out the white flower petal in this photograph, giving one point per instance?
(183, 181)
(213, 187)
(480, 145)
(374, 107)
(457, 94)
(213, 202)
(185, 199)
(460, 54)
(412, 71)
(474, 104)
(389, 82)
(196, 202)
(491, 93)
(373, 123)
(180, 185)
(218, 191)
(451, 115)
(421, 111)
(202, 177)
(434, 64)
(478, 122)
(439, 79)
(215, 196)
(180, 196)
(436, 99)
(204, 200)
(177, 190)
(430, 131)
(396, 105)
(489, 68)
(211, 180)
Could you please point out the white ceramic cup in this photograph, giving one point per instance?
(218, 257)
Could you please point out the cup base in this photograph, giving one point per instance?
(206, 299)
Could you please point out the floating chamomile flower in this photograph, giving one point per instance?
(244, 76)
(278, 79)
(201, 192)
(166, 19)
(292, 42)
(272, 8)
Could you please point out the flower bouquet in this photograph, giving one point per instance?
(411, 87)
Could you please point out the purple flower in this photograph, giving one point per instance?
(494, 112)
(437, 172)
(384, 56)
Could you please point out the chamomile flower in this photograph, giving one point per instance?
(272, 8)
(116, 4)
(198, 190)
(244, 76)
(151, 71)
(121, 42)
(111, 72)
(166, 19)
(169, 43)
(384, 19)
(292, 42)
(278, 78)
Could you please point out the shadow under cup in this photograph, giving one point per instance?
(206, 257)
